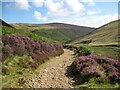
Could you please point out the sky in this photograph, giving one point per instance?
(78, 12)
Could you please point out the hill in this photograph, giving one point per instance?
(9, 29)
(104, 35)
(56, 31)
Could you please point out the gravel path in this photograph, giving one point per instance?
(52, 74)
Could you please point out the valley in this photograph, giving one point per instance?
(64, 33)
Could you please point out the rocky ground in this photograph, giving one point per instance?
(52, 74)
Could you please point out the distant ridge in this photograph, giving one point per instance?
(56, 31)
(70, 26)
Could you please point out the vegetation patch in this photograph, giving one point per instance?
(78, 51)
(98, 69)
(82, 51)
(38, 50)
(28, 33)
(85, 41)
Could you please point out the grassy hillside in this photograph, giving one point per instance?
(22, 53)
(13, 31)
(56, 31)
(105, 35)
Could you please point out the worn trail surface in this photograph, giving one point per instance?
(52, 74)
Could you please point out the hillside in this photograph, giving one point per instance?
(9, 29)
(56, 31)
(104, 35)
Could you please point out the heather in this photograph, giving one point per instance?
(104, 69)
(38, 50)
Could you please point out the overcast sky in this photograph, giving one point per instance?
(78, 12)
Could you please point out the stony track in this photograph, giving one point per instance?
(52, 73)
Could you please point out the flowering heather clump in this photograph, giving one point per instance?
(95, 66)
(38, 50)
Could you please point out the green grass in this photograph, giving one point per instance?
(11, 79)
(106, 51)
(16, 71)
(94, 85)
(61, 35)
(102, 50)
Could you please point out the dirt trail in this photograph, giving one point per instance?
(52, 74)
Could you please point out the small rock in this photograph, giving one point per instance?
(53, 68)
(53, 78)
(45, 70)
(60, 79)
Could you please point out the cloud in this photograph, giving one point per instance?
(20, 4)
(75, 5)
(63, 8)
(56, 8)
(53, 6)
(37, 15)
(38, 3)
(91, 21)
(91, 12)
(89, 2)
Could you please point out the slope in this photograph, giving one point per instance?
(56, 31)
(9, 29)
(104, 35)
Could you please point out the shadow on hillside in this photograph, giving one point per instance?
(74, 75)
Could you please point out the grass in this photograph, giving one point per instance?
(93, 84)
(15, 72)
(54, 34)
(101, 50)
(101, 86)
(106, 51)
